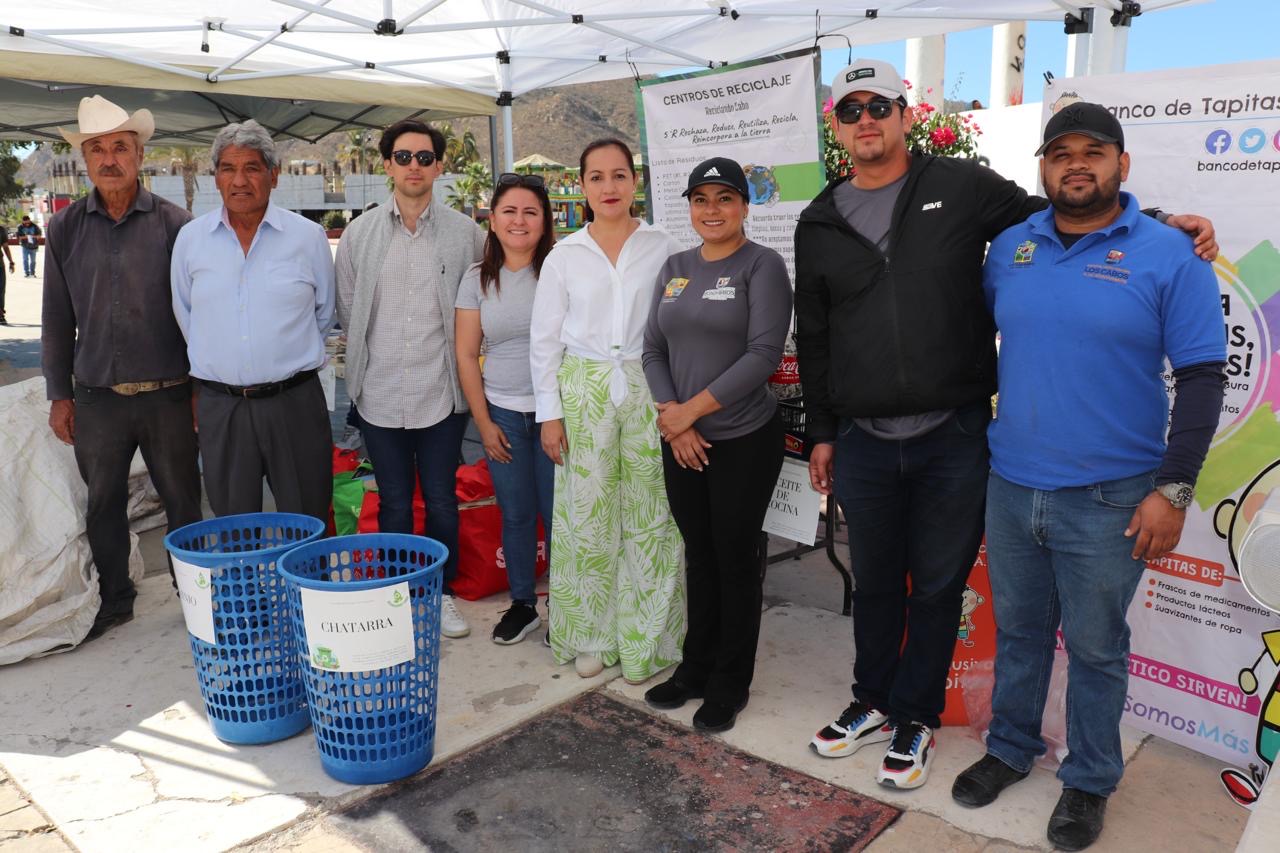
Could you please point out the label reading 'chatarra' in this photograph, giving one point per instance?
(358, 631)
(195, 591)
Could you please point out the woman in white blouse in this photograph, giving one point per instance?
(617, 590)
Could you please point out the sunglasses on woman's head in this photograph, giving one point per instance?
(512, 179)
(849, 112)
(403, 156)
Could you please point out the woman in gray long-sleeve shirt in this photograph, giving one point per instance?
(720, 314)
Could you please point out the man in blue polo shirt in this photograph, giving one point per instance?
(1090, 298)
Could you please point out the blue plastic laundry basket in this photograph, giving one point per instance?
(250, 678)
(379, 725)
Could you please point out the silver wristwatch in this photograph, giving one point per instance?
(1178, 494)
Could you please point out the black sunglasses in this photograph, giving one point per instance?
(849, 112)
(512, 179)
(424, 158)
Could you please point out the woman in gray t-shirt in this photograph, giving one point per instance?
(720, 315)
(494, 303)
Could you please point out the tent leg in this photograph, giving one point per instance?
(508, 144)
(493, 145)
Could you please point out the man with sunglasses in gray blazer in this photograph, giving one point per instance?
(398, 269)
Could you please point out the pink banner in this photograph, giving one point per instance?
(1227, 695)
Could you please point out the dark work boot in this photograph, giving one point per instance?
(983, 781)
(1076, 821)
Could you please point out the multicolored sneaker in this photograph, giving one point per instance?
(906, 762)
(859, 724)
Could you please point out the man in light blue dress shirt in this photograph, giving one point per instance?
(253, 292)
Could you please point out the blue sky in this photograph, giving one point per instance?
(1210, 34)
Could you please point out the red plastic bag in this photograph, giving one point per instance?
(482, 566)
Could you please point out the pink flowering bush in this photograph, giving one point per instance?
(933, 132)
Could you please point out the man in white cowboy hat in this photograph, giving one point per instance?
(114, 361)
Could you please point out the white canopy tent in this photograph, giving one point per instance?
(468, 55)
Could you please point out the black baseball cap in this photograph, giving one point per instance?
(718, 170)
(1092, 120)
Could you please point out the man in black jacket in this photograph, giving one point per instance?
(897, 360)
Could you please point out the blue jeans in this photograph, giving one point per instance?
(524, 487)
(29, 260)
(913, 508)
(1061, 556)
(432, 454)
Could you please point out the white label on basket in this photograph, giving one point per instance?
(358, 631)
(794, 507)
(195, 591)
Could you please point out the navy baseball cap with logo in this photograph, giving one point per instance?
(1092, 120)
(868, 75)
(718, 170)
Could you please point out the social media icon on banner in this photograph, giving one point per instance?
(1218, 142)
(1275, 140)
(1252, 140)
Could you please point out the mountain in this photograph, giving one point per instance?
(555, 122)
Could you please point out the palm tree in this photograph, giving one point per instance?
(186, 160)
(359, 149)
(459, 151)
(470, 190)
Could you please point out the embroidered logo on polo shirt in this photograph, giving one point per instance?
(1102, 272)
(1115, 256)
(1023, 253)
(674, 288)
(722, 292)
(933, 205)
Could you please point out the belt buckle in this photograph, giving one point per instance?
(128, 389)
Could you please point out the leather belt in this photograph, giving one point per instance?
(254, 392)
(132, 389)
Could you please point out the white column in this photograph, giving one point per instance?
(1101, 44)
(1008, 63)
(1078, 50)
(1119, 48)
(926, 64)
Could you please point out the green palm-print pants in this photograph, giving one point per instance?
(617, 586)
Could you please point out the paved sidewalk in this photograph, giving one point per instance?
(110, 745)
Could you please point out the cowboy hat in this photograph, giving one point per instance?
(98, 116)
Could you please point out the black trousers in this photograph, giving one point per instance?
(109, 429)
(285, 438)
(720, 511)
(914, 509)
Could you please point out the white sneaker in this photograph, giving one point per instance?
(588, 666)
(451, 622)
(859, 725)
(906, 762)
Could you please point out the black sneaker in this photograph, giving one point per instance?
(671, 694)
(1076, 821)
(517, 622)
(983, 781)
(716, 716)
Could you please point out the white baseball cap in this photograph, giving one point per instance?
(868, 75)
